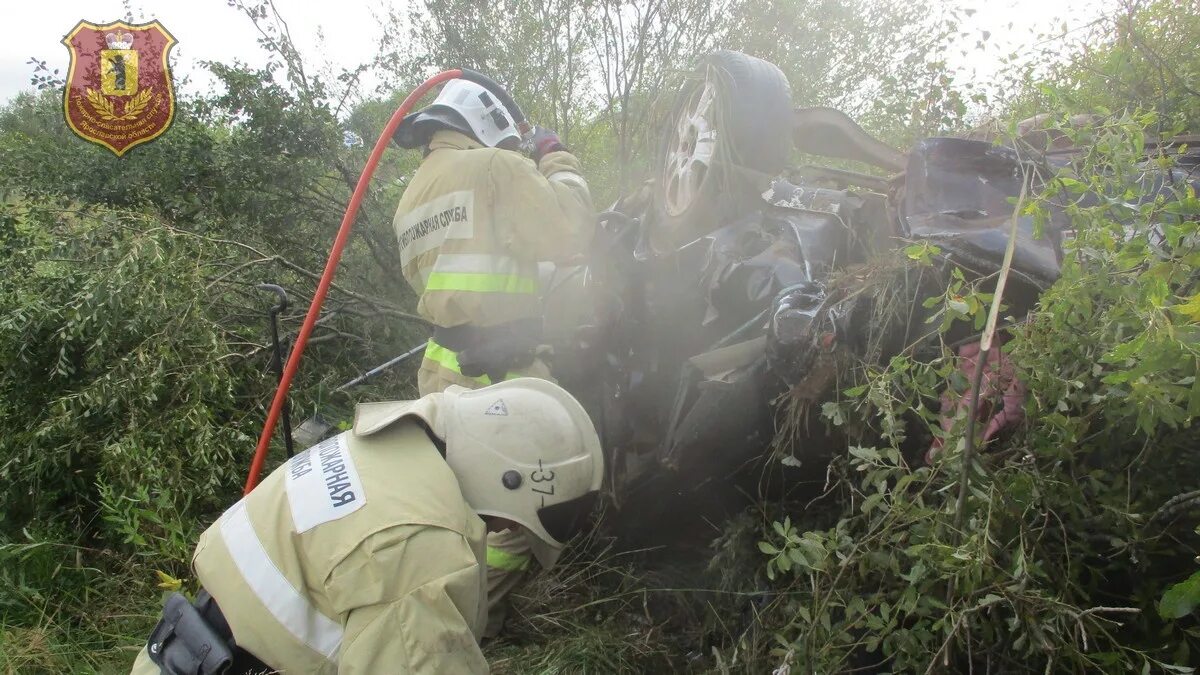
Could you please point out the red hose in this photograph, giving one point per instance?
(335, 254)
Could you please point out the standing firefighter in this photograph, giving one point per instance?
(365, 553)
(473, 223)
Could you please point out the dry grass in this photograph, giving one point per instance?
(606, 610)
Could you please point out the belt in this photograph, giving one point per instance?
(491, 351)
(466, 336)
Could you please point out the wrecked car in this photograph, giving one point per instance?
(707, 294)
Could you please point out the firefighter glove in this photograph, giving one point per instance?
(544, 142)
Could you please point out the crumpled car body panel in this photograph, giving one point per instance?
(957, 195)
(687, 349)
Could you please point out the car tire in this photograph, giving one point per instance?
(728, 134)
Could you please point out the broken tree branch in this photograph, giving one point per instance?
(382, 306)
(985, 347)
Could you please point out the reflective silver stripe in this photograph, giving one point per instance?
(476, 263)
(426, 227)
(274, 591)
(567, 177)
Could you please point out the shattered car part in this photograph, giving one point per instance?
(832, 133)
(794, 340)
(956, 195)
(687, 323)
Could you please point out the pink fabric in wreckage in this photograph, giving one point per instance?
(1001, 396)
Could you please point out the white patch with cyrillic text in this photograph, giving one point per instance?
(323, 484)
(426, 227)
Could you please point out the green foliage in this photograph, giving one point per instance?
(117, 383)
(136, 346)
(136, 370)
(125, 396)
(70, 609)
(1140, 54)
(591, 613)
(1065, 541)
(1181, 599)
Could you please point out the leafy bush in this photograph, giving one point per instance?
(124, 405)
(1057, 553)
(136, 371)
(119, 385)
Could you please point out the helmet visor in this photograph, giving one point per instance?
(564, 520)
(418, 128)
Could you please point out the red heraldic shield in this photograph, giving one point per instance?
(119, 92)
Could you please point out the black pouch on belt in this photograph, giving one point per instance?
(185, 643)
(494, 350)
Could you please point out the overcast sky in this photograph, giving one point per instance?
(211, 30)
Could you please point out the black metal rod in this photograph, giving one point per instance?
(277, 357)
(382, 367)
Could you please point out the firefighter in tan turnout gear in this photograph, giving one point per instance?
(365, 553)
(473, 223)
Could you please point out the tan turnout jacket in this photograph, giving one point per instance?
(357, 556)
(472, 225)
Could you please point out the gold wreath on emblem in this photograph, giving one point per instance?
(133, 107)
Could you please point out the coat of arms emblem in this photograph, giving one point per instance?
(119, 92)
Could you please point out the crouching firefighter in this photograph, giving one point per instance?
(474, 221)
(366, 553)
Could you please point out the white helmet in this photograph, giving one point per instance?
(464, 106)
(523, 449)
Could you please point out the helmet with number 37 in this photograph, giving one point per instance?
(523, 449)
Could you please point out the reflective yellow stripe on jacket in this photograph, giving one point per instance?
(480, 283)
(388, 568)
(480, 273)
(474, 222)
(504, 560)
